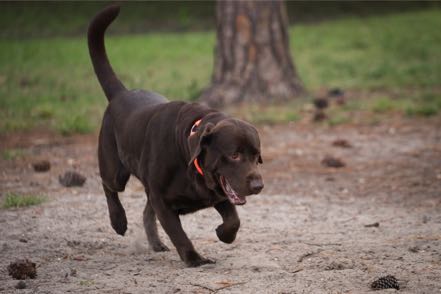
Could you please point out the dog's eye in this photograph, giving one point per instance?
(235, 156)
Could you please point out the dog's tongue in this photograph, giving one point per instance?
(231, 194)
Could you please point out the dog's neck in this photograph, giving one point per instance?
(193, 131)
(187, 116)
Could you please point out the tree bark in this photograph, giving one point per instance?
(252, 56)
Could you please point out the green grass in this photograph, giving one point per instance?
(338, 119)
(423, 103)
(21, 19)
(374, 52)
(37, 18)
(12, 154)
(87, 283)
(427, 104)
(50, 81)
(383, 104)
(13, 200)
(268, 114)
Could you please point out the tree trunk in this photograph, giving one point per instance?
(252, 57)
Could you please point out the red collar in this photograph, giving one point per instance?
(195, 161)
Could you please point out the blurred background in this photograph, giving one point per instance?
(384, 57)
(351, 157)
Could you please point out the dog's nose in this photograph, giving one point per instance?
(256, 184)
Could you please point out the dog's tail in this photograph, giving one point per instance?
(103, 70)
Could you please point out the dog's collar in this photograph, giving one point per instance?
(193, 131)
(194, 127)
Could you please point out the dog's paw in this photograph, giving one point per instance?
(199, 262)
(159, 247)
(118, 218)
(120, 226)
(226, 236)
(193, 259)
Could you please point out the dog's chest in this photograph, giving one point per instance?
(190, 202)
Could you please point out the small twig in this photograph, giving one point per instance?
(217, 289)
(229, 285)
(374, 225)
(296, 270)
(302, 257)
(202, 286)
(349, 219)
(323, 244)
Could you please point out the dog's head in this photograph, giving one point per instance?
(229, 154)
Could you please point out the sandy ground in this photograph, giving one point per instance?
(306, 233)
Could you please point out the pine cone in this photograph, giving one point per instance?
(335, 92)
(41, 166)
(386, 282)
(330, 161)
(22, 269)
(71, 178)
(319, 115)
(320, 103)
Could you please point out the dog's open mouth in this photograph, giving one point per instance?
(231, 194)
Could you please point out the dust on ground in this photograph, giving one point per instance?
(312, 230)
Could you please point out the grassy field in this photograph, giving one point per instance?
(13, 200)
(21, 19)
(50, 81)
(61, 18)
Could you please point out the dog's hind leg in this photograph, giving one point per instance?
(117, 213)
(114, 176)
(151, 229)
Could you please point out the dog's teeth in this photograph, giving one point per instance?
(234, 197)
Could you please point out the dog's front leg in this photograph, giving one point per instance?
(151, 229)
(171, 223)
(226, 232)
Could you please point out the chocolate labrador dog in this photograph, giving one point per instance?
(187, 156)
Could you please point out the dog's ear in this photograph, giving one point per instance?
(198, 142)
(259, 160)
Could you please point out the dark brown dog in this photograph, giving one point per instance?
(187, 156)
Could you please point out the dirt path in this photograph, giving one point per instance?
(305, 234)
